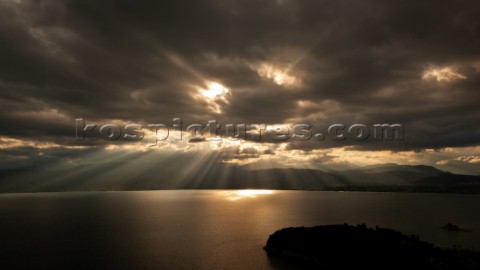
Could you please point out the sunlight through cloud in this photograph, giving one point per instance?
(440, 74)
(215, 95)
(277, 75)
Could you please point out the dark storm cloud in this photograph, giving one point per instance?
(142, 61)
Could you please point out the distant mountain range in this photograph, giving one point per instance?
(111, 176)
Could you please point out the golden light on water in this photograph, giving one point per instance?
(252, 192)
(246, 193)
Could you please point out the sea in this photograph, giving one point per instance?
(206, 229)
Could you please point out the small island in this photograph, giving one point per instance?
(357, 247)
(454, 228)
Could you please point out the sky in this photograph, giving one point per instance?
(272, 62)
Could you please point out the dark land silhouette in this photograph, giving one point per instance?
(359, 247)
(387, 177)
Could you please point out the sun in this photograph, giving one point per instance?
(215, 91)
(215, 95)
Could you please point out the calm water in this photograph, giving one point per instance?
(204, 229)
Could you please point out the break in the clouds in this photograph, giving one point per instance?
(290, 61)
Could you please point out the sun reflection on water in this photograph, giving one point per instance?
(236, 195)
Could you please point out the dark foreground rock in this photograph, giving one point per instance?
(359, 247)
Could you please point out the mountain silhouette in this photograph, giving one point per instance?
(113, 176)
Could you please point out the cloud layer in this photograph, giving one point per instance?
(290, 61)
